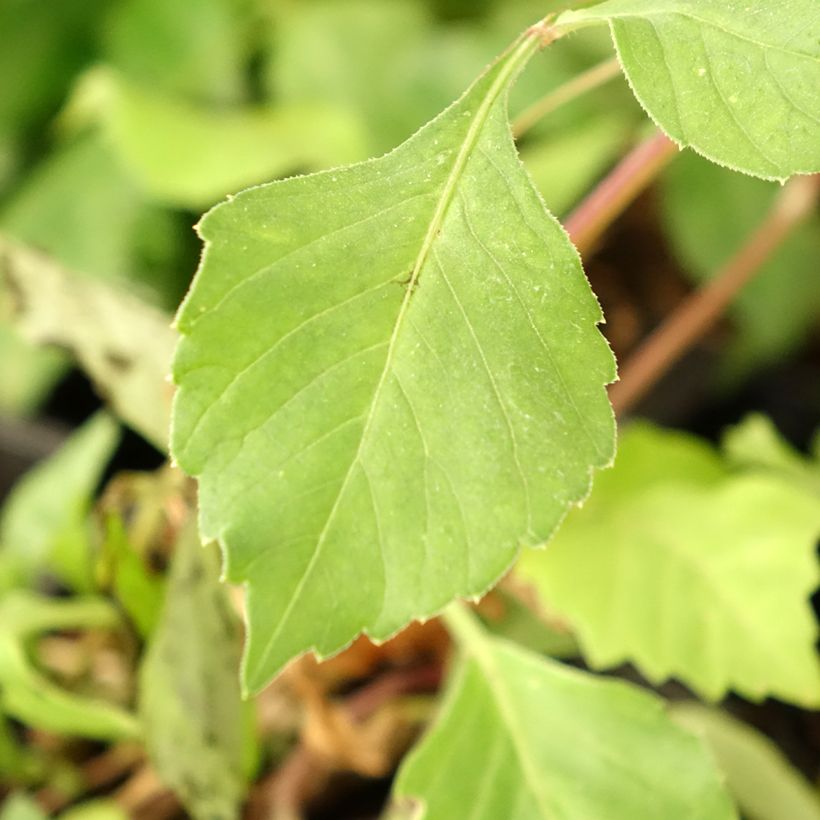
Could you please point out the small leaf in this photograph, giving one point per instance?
(390, 381)
(692, 573)
(759, 776)
(124, 344)
(43, 525)
(522, 737)
(189, 688)
(736, 80)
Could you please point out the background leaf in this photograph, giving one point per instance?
(522, 737)
(189, 687)
(124, 344)
(764, 783)
(660, 565)
(43, 525)
(390, 381)
(736, 80)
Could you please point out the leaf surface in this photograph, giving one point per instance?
(690, 571)
(522, 737)
(737, 80)
(390, 380)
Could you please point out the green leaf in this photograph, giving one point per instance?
(778, 308)
(736, 80)
(43, 524)
(701, 577)
(162, 44)
(763, 782)
(390, 381)
(123, 344)
(190, 702)
(521, 737)
(80, 206)
(190, 156)
(139, 591)
(32, 698)
(756, 444)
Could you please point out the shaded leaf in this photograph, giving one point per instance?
(109, 232)
(390, 380)
(702, 577)
(189, 698)
(43, 525)
(124, 344)
(522, 737)
(763, 782)
(736, 80)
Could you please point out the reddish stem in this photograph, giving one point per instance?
(610, 198)
(701, 310)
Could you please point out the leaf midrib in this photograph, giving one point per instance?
(520, 53)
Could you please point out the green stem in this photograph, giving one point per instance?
(594, 77)
(465, 627)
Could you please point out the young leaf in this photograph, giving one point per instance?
(390, 380)
(759, 776)
(736, 80)
(43, 524)
(522, 737)
(700, 575)
(190, 702)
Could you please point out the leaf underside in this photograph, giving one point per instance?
(390, 380)
(737, 80)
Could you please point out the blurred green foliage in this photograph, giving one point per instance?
(122, 120)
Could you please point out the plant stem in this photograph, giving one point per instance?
(699, 312)
(592, 78)
(610, 198)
